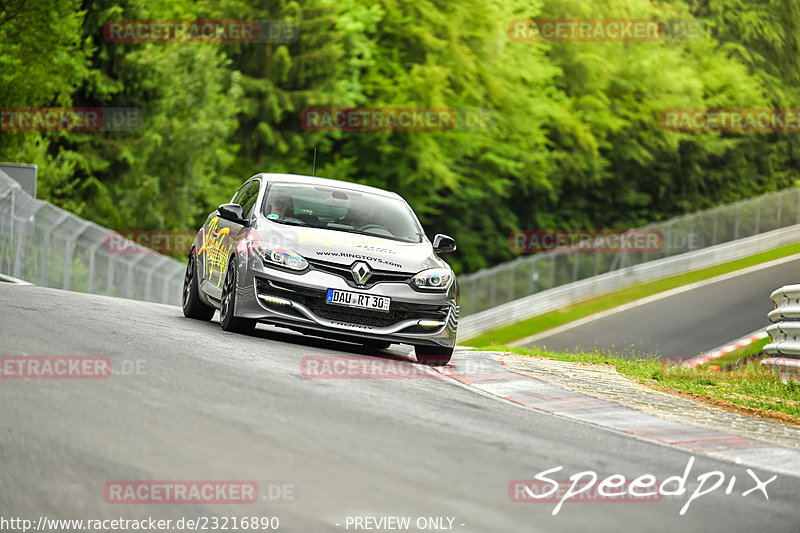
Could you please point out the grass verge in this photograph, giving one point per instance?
(738, 355)
(754, 389)
(538, 324)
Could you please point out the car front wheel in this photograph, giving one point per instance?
(227, 320)
(193, 307)
(433, 355)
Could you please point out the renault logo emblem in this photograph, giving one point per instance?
(361, 272)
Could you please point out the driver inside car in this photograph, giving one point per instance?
(360, 215)
(281, 205)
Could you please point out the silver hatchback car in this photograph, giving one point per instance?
(328, 258)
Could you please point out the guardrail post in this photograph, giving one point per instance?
(575, 263)
(534, 277)
(511, 283)
(46, 248)
(129, 276)
(798, 207)
(92, 267)
(178, 273)
(22, 231)
(68, 254)
(714, 231)
(758, 215)
(784, 343)
(492, 291)
(110, 276)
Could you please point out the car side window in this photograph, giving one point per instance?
(249, 198)
(237, 198)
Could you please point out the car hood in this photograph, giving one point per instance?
(345, 248)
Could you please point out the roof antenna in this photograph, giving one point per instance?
(314, 169)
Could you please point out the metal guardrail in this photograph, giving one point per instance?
(534, 274)
(784, 333)
(571, 293)
(45, 245)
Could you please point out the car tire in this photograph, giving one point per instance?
(227, 319)
(193, 307)
(433, 355)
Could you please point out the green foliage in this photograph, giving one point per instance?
(574, 139)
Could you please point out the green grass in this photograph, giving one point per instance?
(740, 353)
(748, 386)
(538, 324)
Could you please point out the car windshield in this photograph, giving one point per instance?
(340, 209)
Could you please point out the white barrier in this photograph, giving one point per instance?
(571, 293)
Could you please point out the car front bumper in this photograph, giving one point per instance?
(297, 301)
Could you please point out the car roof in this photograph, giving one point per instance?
(296, 178)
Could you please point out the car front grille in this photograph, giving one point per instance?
(314, 300)
(378, 276)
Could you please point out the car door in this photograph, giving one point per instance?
(211, 249)
(229, 232)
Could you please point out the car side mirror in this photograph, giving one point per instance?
(232, 212)
(443, 243)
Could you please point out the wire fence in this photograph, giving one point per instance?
(48, 246)
(531, 274)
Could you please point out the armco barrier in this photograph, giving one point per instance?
(785, 333)
(571, 293)
(45, 245)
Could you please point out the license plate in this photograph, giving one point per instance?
(358, 300)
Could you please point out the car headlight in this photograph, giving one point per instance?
(433, 279)
(275, 255)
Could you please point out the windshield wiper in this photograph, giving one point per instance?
(377, 235)
(289, 222)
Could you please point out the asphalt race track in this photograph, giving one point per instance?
(201, 404)
(685, 324)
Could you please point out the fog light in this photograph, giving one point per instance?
(431, 323)
(274, 299)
